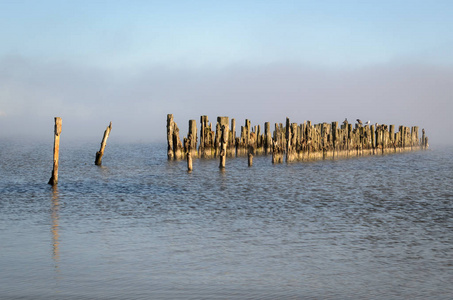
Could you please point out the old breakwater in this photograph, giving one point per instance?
(292, 141)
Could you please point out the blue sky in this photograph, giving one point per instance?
(330, 33)
(139, 60)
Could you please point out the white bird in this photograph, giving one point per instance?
(367, 123)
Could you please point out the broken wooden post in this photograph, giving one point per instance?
(174, 145)
(277, 153)
(100, 153)
(424, 141)
(56, 150)
(177, 145)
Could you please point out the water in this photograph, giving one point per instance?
(141, 227)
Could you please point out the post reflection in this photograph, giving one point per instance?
(55, 227)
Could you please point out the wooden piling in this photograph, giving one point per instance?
(56, 151)
(100, 153)
(267, 138)
(302, 142)
(191, 141)
(170, 152)
(232, 139)
(206, 147)
(174, 145)
(223, 143)
(189, 152)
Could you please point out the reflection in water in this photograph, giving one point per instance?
(55, 224)
(366, 228)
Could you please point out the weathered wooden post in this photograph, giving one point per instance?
(203, 124)
(100, 153)
(288, 140)
(414, 137)
(177, 145)
(192, 137)
(277, 153)
(334, 127)
(251, 148)
(267, 138)
(223, 142)
(392, 137)
(189, 153)
(174, 148)
(218, 133)
(232, 139)
(170, 151)
(56, 150)
(424, 142)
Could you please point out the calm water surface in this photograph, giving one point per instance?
(142, 227)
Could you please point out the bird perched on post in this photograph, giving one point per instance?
(358, 121)
(367, 123)
(345, 121)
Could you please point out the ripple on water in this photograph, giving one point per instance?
(142, 227)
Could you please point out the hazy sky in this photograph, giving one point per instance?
(133, 62)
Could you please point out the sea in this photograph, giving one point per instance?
(143, 227)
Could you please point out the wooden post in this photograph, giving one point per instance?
(100, 153)
(223, 143)
(267, 138)
(334, 138)
(232, 139)
(424, 140)
(189, 152)
(192, 137)
(174, 145)
(252, 147)
(170, 128)
(392, 137)
(177, 145)
(56, 150)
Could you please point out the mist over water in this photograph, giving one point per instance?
(142, 227)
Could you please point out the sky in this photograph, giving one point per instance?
(134, 62)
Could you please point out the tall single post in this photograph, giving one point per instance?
(170, 128)
(223, 144)
(56, 150)
(189, 153)
(100, 153)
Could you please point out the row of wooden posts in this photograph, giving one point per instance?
(297, 142)
(56, 149)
